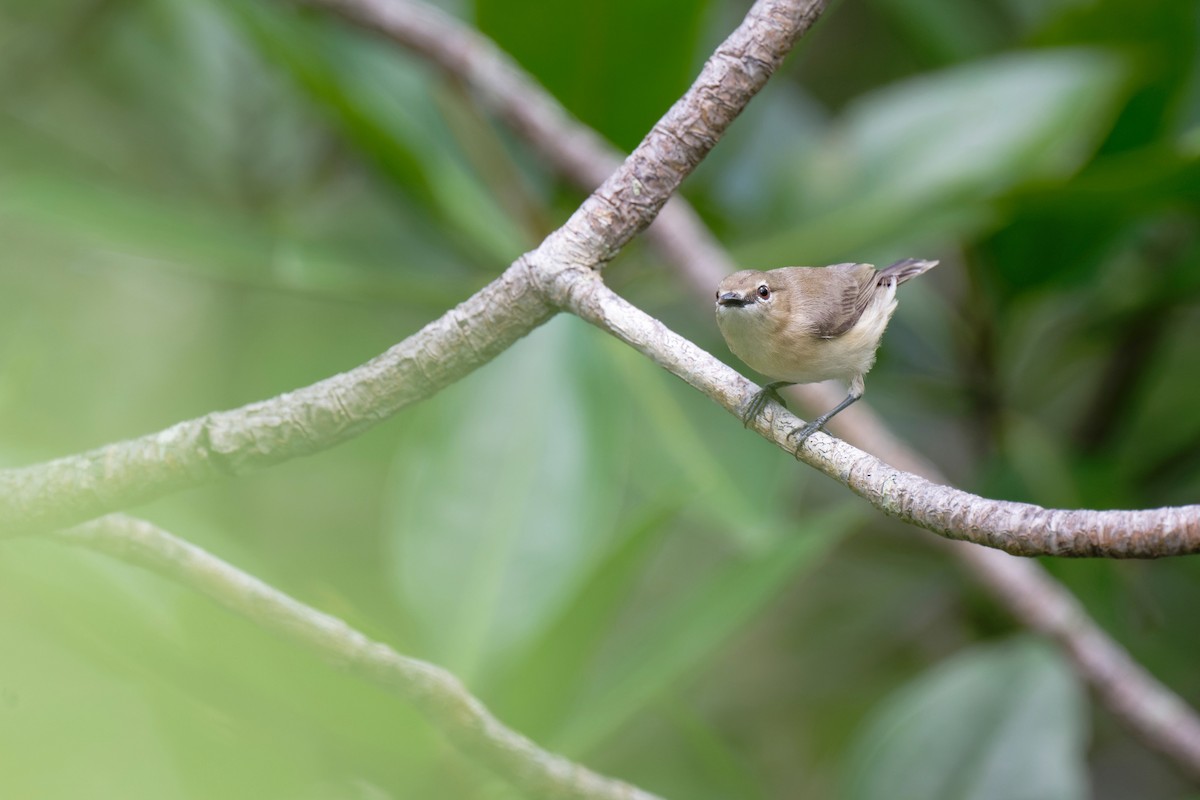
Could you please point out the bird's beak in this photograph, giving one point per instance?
(731, 299)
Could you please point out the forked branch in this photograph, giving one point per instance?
(83, 486)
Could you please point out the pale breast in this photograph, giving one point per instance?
(803, 358)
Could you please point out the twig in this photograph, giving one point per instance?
(437, 694)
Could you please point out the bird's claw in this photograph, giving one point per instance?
(800, 435)
(759, 401)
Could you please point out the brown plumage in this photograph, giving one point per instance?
(809, 324)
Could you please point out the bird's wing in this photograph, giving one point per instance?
(904, 270)
(850, 291)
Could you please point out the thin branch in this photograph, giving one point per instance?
(323, 414)
(79, 487)
(437, 694)
(1017, 528)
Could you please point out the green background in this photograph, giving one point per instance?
(206, 204)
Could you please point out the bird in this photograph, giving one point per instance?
(810, 324)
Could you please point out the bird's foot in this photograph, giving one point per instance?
(759, 401)
(800, 435)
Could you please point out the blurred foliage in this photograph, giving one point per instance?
(206, 204)
(968, 721)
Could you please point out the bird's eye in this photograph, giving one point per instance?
(764, 291)
(718, 296)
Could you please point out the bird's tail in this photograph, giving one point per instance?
(903, 270)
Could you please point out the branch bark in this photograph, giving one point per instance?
(323, 414)
(437, 694)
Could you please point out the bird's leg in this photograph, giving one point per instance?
(759, 401)
(801, 434)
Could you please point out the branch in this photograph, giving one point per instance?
(1017, 528)
(79, 487)
(437, 694)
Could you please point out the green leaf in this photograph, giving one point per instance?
(497, 509)
(385, 107)
(924, 157)
(715, 761)
(1039, 458)
(944, 30)
(117, 226)
(617, 65)
(998, 721)
(65, 636)
(534, 693)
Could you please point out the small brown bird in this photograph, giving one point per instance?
(810, 324)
